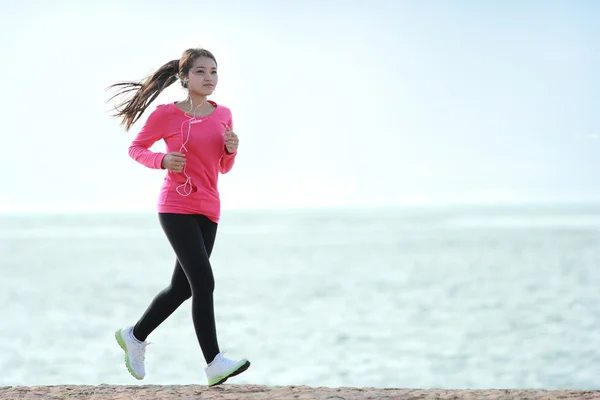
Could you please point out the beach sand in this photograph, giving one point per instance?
(255, 392)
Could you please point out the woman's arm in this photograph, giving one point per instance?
(153, 130)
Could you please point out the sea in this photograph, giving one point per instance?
(455, 297)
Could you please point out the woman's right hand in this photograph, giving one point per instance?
(174, 162)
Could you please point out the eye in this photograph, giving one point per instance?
(214, 72)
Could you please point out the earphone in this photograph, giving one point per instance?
(187, 185)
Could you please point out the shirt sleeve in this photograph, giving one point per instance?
(154, 129)
(227, 160)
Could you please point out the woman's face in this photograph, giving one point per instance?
(203, 77)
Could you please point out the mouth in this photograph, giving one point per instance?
(210, 85)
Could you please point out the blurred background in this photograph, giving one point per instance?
(415, 203)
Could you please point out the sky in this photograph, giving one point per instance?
(336, 103)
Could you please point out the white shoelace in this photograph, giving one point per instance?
(228, 362)
(139, 353)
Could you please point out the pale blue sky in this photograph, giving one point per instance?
(335, 102)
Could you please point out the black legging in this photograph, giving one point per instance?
(192, 238)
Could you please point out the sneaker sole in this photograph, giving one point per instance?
(221, 379)
(121, 343)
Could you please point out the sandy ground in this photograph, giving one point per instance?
(255, 392)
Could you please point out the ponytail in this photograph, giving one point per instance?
(144, 93)
(132, 108)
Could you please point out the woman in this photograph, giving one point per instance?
(200, 145)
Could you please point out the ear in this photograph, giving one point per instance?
(184, 81)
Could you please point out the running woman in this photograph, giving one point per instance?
(200, 144)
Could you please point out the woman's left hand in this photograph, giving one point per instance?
(231, 140)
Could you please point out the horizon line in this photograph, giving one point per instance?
(408, 205)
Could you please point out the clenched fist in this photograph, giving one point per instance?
(231, 140)
(174, 162)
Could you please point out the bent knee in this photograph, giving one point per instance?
(181, 293)
(211, 285)
(206, 286)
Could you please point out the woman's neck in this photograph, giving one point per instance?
(196, 100)
(197, 105)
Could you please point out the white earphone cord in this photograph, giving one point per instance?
(187, 185)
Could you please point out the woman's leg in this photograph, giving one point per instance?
(219, 368)
(169, 299)
(209, 232)
(163, 304)
(184, 232)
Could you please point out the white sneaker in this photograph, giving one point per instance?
(221, 368)
(135, 352)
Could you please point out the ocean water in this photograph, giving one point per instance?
(488, 297)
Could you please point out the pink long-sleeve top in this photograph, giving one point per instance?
(194, 190)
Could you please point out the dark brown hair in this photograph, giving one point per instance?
(146, 91)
